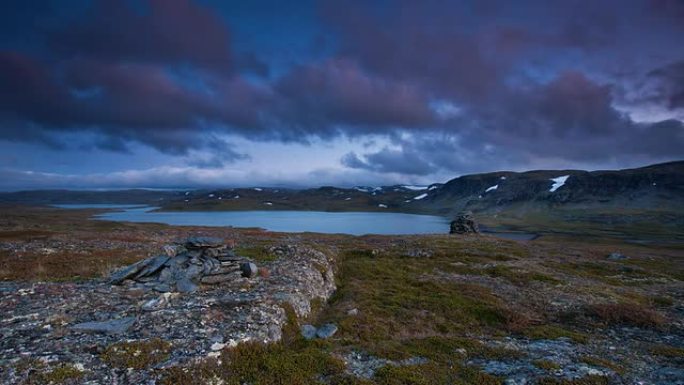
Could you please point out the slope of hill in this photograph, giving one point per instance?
(654, 188)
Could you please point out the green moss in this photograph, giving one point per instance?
(430, 373)
(28, 364)
(398, 299)
(136, 354)
(443, 350)
(260, 364)
(552, 332)
(517, 277)
(62, 374)
(662, 301)
(602, 362)
(667, 351)
(546, 365)
(257, 253)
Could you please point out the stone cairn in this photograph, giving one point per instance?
(186, 265)
(464, 224)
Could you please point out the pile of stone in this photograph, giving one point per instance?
(186, 265)
(464, 224)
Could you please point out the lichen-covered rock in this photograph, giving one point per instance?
(326, 331)
(73, 322)
(308, 332)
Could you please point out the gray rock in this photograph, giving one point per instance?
(177, 260)
(153, 264)
(218, 278)
(127, 272)
(227, 255)
(184, 285)
(173, 250)
(115, 326)
(308, 332)
(210, 265)
(163, 288)
(326, 331)
(202, 242)
(193, 272)
(248, 269)
(157, 303)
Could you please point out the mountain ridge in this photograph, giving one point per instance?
(658, 186)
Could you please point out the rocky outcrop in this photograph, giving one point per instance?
(464, 224)
(72, 323)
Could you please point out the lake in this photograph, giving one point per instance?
(355, 223)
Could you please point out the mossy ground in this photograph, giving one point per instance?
(441, 304)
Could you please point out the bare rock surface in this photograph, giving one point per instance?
(74, 323)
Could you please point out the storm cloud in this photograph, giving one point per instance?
(443, 87)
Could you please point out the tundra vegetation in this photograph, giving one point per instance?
(435, 309)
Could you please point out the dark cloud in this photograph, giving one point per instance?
(667, 85)
(159, 31)
(473, 84)
(337, 93)
(569, 118)
(125, 101)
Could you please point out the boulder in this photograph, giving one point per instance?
(249, 269)
(464, 224)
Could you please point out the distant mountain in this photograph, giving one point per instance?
(656, 187)
(133, 196)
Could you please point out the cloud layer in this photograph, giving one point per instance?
(449, 87)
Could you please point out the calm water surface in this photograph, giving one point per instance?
(355, 223)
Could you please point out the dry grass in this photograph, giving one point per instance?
(63, 265)
(627, 314)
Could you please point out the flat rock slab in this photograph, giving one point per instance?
(326, 331)
(115, 326)
(308, 331)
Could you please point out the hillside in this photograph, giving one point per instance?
(657, 188)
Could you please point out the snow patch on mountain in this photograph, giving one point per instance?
(558, 182)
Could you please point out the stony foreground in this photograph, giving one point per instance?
(74, 323)
(409, 310)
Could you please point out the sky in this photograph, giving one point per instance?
(212, 93)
